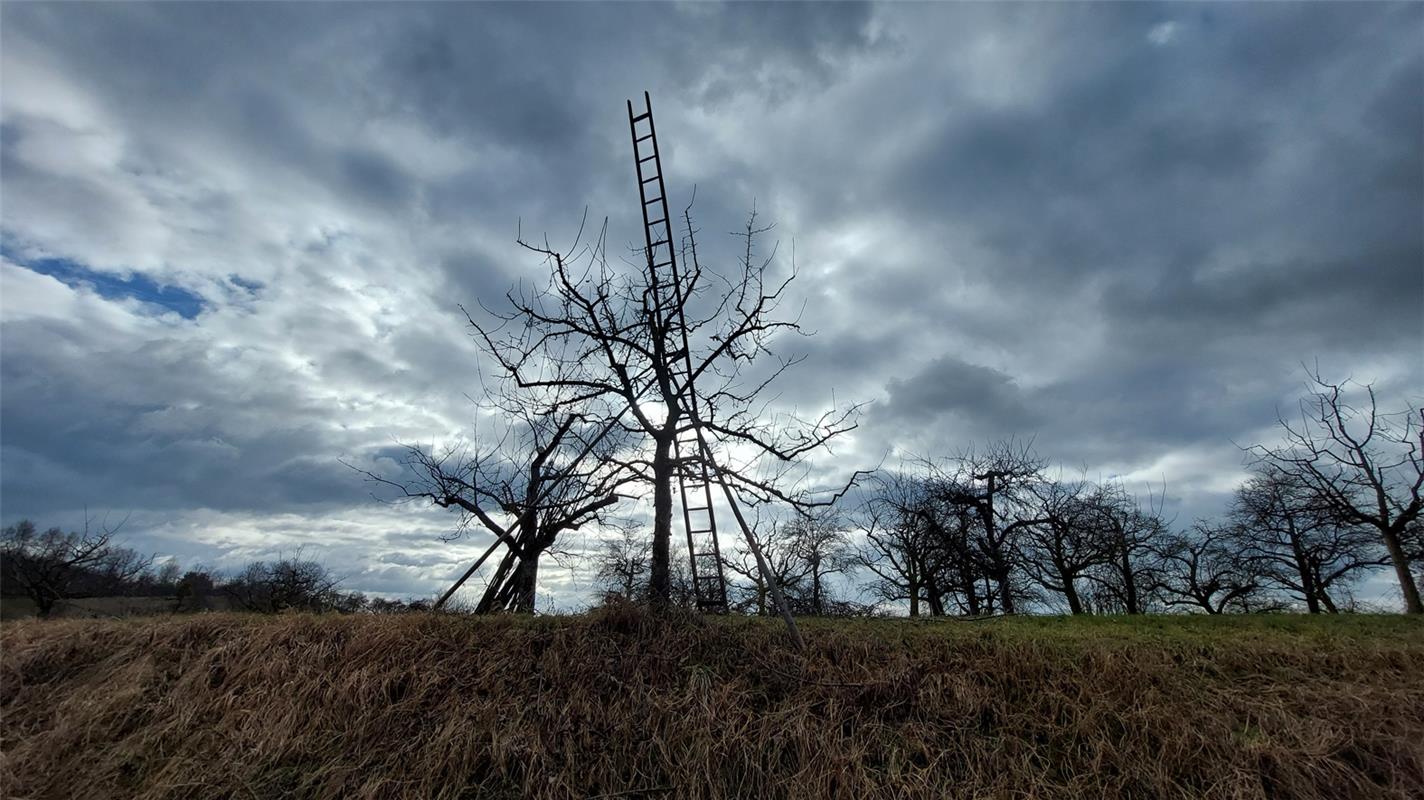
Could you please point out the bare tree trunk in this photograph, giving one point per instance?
(1006, 589)
(1307, 575)
(1129, 581)
(491, 600)
(1001, 566)
(1075, 603)
(971, 594)
(1407, 587)
(659, 578)
(524, 583)
(933, 597)
(816, 584)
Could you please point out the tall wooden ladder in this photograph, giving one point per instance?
(691, 455)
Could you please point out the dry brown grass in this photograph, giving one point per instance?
(620, 704)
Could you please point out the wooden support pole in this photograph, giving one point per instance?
(471, 571)
(766, 574)
(543, 490)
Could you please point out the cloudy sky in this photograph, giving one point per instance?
(235, 237)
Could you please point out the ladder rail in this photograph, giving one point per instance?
(710, 589)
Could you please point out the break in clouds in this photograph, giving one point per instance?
(236, 237)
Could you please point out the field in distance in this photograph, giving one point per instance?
(621, 703)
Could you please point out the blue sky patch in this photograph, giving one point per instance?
(111, 287)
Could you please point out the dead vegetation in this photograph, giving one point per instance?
(621, 704)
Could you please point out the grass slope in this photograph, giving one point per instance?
(621, 704)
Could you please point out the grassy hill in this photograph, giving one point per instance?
(618, 704)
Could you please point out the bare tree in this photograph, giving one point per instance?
(1132, 536)
(546, 475)
(621, 565)
(1203, 569)
(621, 568)
(1298, 544)
(52, 566)
(897, 551)
(194, 589)
(926, 541)
(820, 541)
(785, 560)
(994, 483)
(1364, 466)
(1066, 541)
(1412, 543)
(291, 582)
(638, 342)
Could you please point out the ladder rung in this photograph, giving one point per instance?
(643, 138)
(706, 554)
(654, 200)
(660, 241)
(650, 180)
(662, 221)
(704, 530)
(647, 158)
(697, 508)
(642, 116)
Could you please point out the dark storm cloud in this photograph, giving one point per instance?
(1118, 229)
(986, 398)
(92, 433)
(1228, 200)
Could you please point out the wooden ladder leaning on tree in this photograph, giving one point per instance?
(696, 468)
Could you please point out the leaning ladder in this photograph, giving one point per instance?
(690, 452)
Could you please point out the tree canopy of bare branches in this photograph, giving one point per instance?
(545, 475)
(53, 565)
(613, 342)
(1364, 467)
(1297, 544)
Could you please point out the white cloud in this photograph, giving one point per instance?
(1163, 33)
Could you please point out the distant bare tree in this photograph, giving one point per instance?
(902, 554)
(1132, 535)
(1066, 541)
(995, 484)
(168, 574)
(1203, 569)
(51, 566)
(621, 565)
(1412, 542)
(194, 589)
(291, 582)
(781, 551)
(1298, 544)
(1363, 466)
(820, 541)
